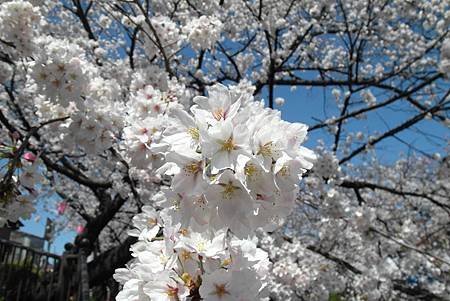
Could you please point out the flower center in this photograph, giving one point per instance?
(56, 83)
(42, 75)
(201, 246)
(226, 262)
(144, 109)
(151, 221)
(284, 171)
(185, 255)
(172, 291)
(200, 202)
(228, 190)
(219, 114)
(193, 168)
(61, 68)
(228, 145)
(266, 149)
(250, 170)
(183, 231)
(220, 290)
(195, 133)
(187, 279)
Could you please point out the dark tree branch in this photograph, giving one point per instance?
(103, 267)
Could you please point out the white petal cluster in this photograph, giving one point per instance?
(203, 32)
(19, 201)
(60, 72)
(17, 22)
(21, 208)
(152, 75)
(5, 72)
(187, 262)
(368, 97)
(147, 118)
(445, 57)
(327, 165)
(163, 35)
(98, 121)
(235, 166)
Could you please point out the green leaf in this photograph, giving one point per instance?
(335, 297)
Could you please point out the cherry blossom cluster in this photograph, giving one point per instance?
(95, 125)
(445, 57)
(5, 72)
(203, 32)
(60, 71)
(243, 164)
(17, 22)
(17, 200)
(146, 120)
(186, 262)
(121, 75)
(235, 167)
(162, 34)
(309, 254)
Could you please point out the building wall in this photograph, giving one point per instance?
(27, 240)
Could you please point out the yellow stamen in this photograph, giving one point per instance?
(192, 168)
(163, 259)
(201, 246)
(228, 190)
(185, 255)
(284, 171)
(220, 290)
(195, 133)
(175, 203)
(183, 231)
(187, 279)
(228, 145)
(250, 169)
(266, 149)
(172, 291)
(226, 262)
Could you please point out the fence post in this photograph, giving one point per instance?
(64, 272)
(84, 281)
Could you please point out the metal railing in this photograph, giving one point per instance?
(26, 273)
(32, 275)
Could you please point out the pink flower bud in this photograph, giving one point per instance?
(30, 157)
(62, 208)
(80, 229)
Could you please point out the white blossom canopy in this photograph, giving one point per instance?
(146, 121)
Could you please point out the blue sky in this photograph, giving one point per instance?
(37, 227)
(303, 105)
